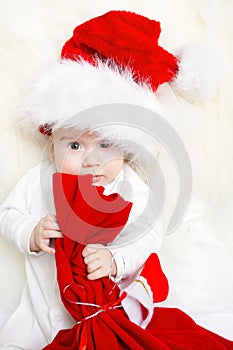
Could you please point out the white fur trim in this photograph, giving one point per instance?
(139, 294)
(199, 72)
(70, 87)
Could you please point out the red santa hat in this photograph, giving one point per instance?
(114, 58)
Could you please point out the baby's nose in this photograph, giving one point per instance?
(90, 160)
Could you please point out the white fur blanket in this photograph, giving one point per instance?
(198, 257)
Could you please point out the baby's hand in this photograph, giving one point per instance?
(99, 261)
(46, 229)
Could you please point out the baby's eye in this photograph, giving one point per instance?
(105, 144)
(75, 146)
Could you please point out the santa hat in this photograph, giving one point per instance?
(114, 58)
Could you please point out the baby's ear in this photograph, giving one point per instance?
(51, 151)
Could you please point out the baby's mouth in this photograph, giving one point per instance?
(97, 178)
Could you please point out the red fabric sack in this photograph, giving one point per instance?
(101, 323)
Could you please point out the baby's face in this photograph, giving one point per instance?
(75, 153)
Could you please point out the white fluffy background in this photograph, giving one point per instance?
(198, 258)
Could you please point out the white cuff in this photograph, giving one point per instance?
(120, 264)
(22, 240)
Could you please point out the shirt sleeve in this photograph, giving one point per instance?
(130, 256)
(16, 220)
(143, 233)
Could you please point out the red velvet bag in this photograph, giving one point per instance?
(102, 323)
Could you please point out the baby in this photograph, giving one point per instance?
(28, 220)
(94, 71)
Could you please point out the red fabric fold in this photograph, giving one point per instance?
(105, 325)
(84, 213)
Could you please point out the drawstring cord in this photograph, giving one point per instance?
(109, 306)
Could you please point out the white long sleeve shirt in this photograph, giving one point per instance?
(32, 199)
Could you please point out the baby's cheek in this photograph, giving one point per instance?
(71, 164)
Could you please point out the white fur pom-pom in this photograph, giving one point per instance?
(199, 72)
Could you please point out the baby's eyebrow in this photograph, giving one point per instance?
(68, 138)
(100, 140)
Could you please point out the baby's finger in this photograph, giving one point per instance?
(91, 257)
(48, 224)
(93, 266)
(87, 251)
(96, 274)
(53, 234)
(47, 249)
(96, 246)
(57, 234)
(56, 226)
